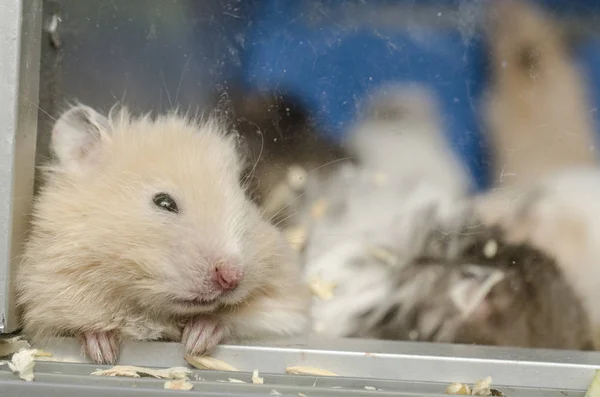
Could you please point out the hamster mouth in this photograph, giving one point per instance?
(197, 302)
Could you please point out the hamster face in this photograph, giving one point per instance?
(155, 206)
(523, 36)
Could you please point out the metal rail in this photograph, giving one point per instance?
(20, 32)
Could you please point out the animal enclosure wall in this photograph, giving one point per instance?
(20, 44)
(332, 55)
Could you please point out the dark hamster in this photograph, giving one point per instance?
(280, 137)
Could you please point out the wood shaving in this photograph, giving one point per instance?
(42, 353)
(297, 177)
(48, 357)
(22, 363)
(296, 236)
(234, 380)
(458, 389)
(594, 389)
(300, 370)
(179, 384)
(301, 395)
(383, 255)
(12, 345)
(207, 362)
(321, 288)
(318, 209)
(370, 388)
(380, 178)
(137, 372)
(257, 380)
(490, 249)
(274, 393)
(482, 387)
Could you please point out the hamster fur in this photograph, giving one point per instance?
(378, 202)
(537, 109)
(142, 231)
(402, 135)
(558, 215)
(469, 285)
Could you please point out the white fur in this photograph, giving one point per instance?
(412, 146)
(407, 171)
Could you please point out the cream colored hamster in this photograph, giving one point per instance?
(142, 231)
(537, 110)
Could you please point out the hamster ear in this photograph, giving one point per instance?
(76, 134)
(469, 293)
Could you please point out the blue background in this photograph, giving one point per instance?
(333, 67)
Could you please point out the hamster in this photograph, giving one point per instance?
(471, 286)
(536, 110)
(558, 215)
(401, 134)
(284, 146)
(142, 231)
(403, 167)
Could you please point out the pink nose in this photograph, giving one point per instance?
(226, 277)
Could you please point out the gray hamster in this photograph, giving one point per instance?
(471, 286)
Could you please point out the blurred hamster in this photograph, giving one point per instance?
(142, 231)
(284, 145)
(401, 134)
(536, 110)
(558, 215)
(404, 166)
(471, 286)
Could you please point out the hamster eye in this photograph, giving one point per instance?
(165, 202)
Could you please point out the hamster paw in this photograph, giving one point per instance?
(101, 347)
(202, 334)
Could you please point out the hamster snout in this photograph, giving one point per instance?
(206, 292)
(227, 277)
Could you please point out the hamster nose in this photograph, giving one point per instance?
(226, 277)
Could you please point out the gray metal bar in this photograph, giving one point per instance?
(20, 32)
(368, 359)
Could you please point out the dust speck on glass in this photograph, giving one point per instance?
(432, 162)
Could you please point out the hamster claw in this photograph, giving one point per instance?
(202, 334)
(101, 347)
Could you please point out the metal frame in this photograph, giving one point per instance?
(392, 368)
(20, 33)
